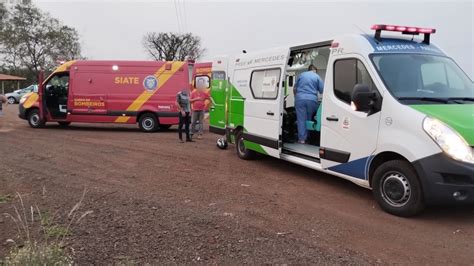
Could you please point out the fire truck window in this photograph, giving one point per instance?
(58, 85)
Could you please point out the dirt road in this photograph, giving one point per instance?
(156, 200)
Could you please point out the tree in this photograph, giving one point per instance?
(30, 39)
(173, 46)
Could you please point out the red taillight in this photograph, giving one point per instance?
(334, 45)
(405, 29)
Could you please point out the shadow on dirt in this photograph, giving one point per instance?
(441, 213)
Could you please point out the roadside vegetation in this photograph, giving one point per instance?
(40, 238)
(5, 198)
(31, 40)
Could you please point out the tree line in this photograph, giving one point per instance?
(31, 41)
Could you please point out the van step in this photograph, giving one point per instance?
(303, 149)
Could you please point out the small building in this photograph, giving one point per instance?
(4, 78)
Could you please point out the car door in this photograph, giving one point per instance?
(348, 137)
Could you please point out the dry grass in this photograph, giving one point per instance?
(38, 254)
(50, 249)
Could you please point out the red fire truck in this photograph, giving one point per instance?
(126, 92)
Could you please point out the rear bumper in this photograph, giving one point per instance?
(21, 111)
(446, 181)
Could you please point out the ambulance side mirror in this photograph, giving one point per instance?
(363, 99)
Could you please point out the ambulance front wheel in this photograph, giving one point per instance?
(34, 119)
(242, 151)
(397, 189)
(148, 123)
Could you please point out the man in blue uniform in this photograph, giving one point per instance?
(306, 91)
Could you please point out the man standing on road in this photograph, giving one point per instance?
(198, 101)
(184, 107)
(306, 91)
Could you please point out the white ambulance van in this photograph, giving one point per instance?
(396, 115)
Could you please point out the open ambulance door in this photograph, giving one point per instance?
(258, 79)
(219, 94)
(349, 137)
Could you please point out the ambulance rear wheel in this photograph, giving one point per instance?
(242, 151)
(148, 123)
(397, 189)
(34, 119)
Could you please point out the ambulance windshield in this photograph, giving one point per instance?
(421, 78)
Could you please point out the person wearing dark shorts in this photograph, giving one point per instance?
(184, 107)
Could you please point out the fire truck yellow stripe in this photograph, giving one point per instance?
(163, 76)
(31, 99)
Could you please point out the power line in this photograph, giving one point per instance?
(177, 16)
(185, 16)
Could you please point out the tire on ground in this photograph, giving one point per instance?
(34, 119)
(148, 123)
(397, 189)
(242, 151)
(11, 100)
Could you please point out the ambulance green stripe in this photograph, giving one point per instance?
(459, 117)
(254, 147)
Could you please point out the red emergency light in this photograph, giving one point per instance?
(404, 30)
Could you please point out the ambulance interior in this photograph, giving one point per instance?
(56, 95)
(298, 63)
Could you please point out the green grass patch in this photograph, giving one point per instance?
(6, 198)
(56, 231)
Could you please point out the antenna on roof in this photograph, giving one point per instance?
(359, 28)
(363, 31)
(244, 51)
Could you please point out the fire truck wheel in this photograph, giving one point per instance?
(148, 123)
(34, 119)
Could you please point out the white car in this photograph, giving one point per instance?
(14, 97)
